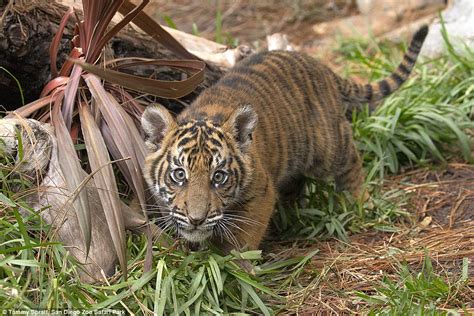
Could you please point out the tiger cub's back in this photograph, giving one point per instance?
(300, 104)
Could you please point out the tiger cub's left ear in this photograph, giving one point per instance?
(242, 123)
(156, 122)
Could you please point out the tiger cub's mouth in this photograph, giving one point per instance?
(196, 233)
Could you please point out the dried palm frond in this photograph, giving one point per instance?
(81, 106)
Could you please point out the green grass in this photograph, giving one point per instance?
(222, 37)
(416, 293)
(426, 121)
(325, 213)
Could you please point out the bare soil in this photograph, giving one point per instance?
(251, 21)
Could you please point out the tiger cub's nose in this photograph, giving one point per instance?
(196, 221)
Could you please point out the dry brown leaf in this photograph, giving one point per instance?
(70, 165)
(120, 132)
(105, 182)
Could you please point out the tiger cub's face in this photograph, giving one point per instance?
(197, 169)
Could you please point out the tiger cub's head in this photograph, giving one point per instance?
(198, 168)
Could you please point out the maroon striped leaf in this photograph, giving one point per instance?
(30, 108)
(115, 152)
(70, 94)
(53, 48)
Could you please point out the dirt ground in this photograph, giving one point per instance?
(442, 199)
(251, 21)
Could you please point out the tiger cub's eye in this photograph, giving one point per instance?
(219, 177)
(178, 175)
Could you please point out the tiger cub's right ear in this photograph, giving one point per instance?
(156, 122)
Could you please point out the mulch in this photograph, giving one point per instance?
(442, 202)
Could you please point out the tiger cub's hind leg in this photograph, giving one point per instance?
(349, 174)
(291, 192)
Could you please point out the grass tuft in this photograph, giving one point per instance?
(415, 293)
(325, 213)
(427, 120)
(20, 89)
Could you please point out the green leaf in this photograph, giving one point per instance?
(257, 300)
(5, 200)
(169, 21)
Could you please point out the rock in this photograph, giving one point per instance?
(367, 7)
(379, 17)
(459, 22)
(279, 41)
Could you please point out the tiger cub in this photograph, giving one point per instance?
(218, 168)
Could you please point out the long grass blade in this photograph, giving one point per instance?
(257, 300)
(20, 89)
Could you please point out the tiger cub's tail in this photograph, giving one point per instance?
(356, 94)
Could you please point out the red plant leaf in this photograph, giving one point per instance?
(161, 88)
(53, 48)
(28, 109)
(70, 95)
(97, 17)
(127, 18)
(67, 66)
(115, 152)
(127, 142)
(53, 85)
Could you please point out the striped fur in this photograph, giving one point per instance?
(272, 120)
